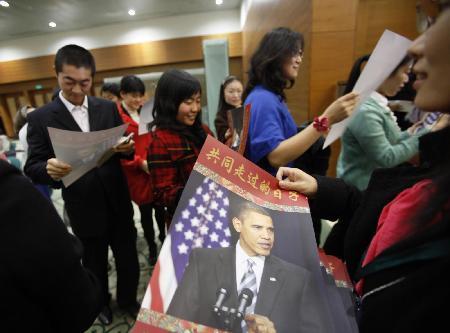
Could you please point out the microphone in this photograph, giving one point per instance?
(245, 299)
(222, 294)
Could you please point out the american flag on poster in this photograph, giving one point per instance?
(202, 222)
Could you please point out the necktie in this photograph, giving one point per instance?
(249, 281)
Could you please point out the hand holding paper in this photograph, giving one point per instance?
(57, 169)
(341, 108)
(125, 145)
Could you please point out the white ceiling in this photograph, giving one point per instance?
(25, 18)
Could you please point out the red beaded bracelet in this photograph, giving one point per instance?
(321, 124)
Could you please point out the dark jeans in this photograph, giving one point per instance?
(121, 237)
(147, 224)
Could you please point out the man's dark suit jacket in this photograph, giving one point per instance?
(285, 292)
(97, 192)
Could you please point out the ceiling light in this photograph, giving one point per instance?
(4, 4)
(131, 12)
(219, 2)
(52, 24)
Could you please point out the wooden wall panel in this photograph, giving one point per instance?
(264, 16)
(332, 15)
(374, 16)
(333, 34)
(123, 56)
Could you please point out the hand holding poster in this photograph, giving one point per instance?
(389, 51)
(232, 211)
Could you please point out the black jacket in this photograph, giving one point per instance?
(420, 298)
(91, 197)
(43, 286)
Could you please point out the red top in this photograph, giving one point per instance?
(139, 182)
(394, 222)
(171, 158)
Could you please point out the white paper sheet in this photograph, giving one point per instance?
(389, 51)
(82, 150)
(145, 117)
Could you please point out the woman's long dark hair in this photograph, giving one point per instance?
(266, 64)
(357, 69)
(173, 88)
(355, 72)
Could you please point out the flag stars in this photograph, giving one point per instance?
(195, 222)
(226, 202)
(192, 202)
(219, 194)
(199, 190)
(218, 225)
(198, 242)
(209, 217)
(182, 248)
(227, 232)
(206, 197)
(224, 243)
(201, 209)
(179, 227)
(204, 230)
(189, 235)
(185, 214)
(212, 186)
(222, 212)
(214, 237)
(214, 205)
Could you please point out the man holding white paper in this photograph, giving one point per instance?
(98, 203)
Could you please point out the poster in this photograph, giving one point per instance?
(294, 290)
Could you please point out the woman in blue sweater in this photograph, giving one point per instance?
(273, 140)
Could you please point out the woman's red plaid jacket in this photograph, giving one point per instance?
(171, 158)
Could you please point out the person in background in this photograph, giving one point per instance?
(397, 243)
(273, 140)
(177, 137)
(98, 204)
(230, 97)
(43, 285)
(21, 128)
(373, 138)
(110, 91)
(132, 91)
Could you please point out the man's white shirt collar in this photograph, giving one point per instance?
(71, 106)
(81, 118)
(242, 266)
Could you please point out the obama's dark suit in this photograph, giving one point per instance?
(285, 293)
